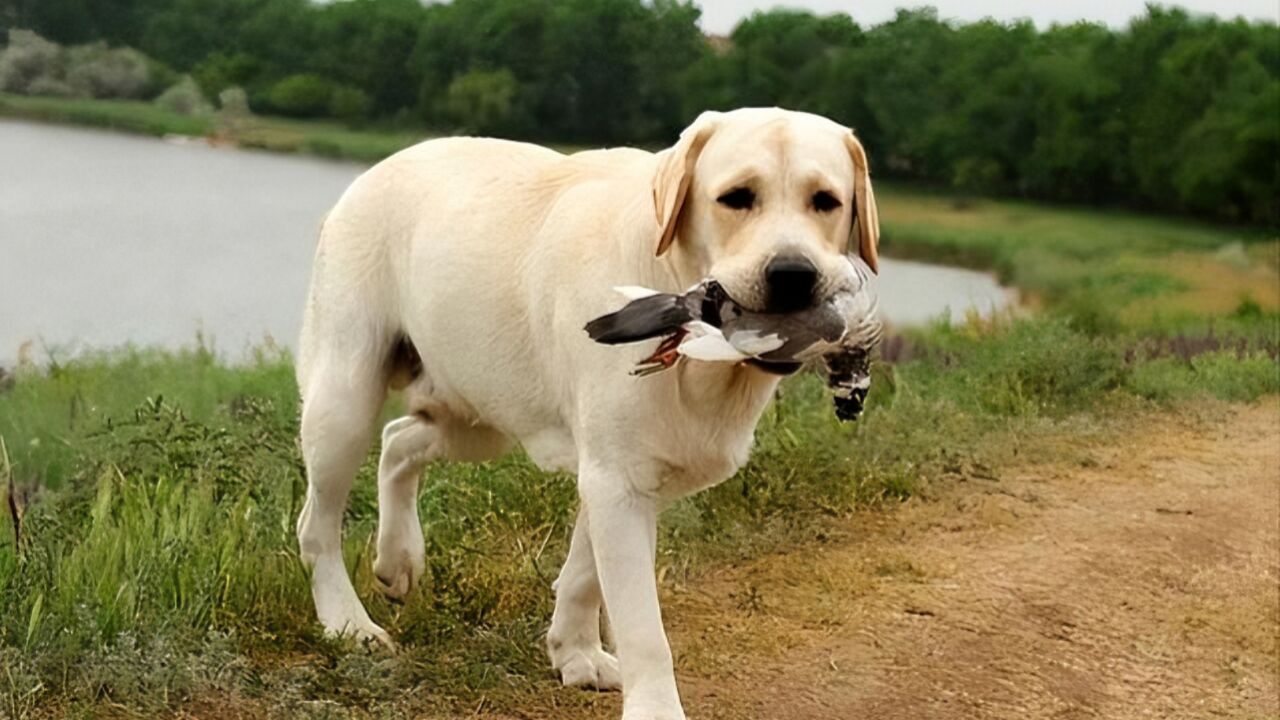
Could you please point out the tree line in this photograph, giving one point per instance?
(1175, 112)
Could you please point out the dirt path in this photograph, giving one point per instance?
(1142, 583)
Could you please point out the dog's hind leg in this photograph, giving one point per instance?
(342, 391)
(573, 642)
(408, 443)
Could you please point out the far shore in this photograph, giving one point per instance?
(310, 137)
(319, 138)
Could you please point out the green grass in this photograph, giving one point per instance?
(323, 139)
(126, 115)
(1225, 374)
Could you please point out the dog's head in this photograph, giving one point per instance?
(768, 202)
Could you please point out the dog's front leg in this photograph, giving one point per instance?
(622, 522)
(573, 642)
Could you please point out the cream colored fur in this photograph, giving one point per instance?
(489, 257)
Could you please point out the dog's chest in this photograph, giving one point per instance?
(705, 451)
(702, 469)
(710, 437)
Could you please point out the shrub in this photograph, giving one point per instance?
(481, 101)
(301, 96)
(1247, 309)
(28, 59)
(233, 103)
(100, 72)
(32, 65)
(350, 104)
(185, 98)
(51, 87)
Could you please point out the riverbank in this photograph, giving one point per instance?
(319, 138)
(310, 137)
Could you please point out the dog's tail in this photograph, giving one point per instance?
(641, 319)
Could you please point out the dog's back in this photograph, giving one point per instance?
(441, 268)
(426, 200)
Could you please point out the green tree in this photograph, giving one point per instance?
(481, 101)
(220, 70)
(301, 96)
(572, 60)
(1174, 112)
(367, 44)
(349, 103)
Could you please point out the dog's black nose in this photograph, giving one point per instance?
(791, 280)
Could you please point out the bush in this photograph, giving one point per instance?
(233, 103)
(185, 98)
(51, 87)
(481, 101)
(28, 60)
(32, 65)
(98, 71)
(350, 104)
(301, 96)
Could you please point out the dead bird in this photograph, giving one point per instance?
(706, 324)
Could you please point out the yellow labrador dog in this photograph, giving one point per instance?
(463, 270)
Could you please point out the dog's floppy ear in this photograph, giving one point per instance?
(675, 173)
(864, 230)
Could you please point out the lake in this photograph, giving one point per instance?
(108, 239)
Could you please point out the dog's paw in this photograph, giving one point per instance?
(591, 668)
(365, 631)
(400, 562)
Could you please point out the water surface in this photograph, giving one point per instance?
(108, 239)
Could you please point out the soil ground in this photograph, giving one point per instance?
(1142, 582)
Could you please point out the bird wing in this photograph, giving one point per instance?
(647, 317)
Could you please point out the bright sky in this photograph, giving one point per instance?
(719, 16)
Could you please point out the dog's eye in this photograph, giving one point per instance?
(738, 199)
(824, 201)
